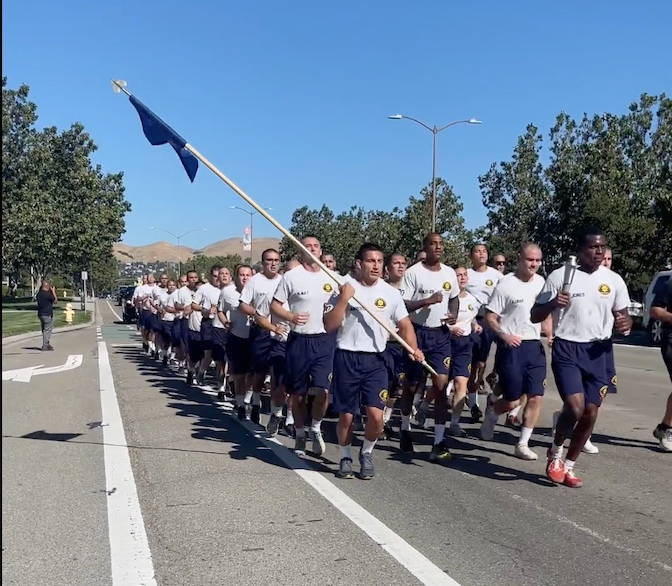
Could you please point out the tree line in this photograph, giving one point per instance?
(61, 214)
(612, 171)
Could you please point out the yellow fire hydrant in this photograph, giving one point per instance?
(69, 313)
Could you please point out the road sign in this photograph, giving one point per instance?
(85, 276)
(23, 375)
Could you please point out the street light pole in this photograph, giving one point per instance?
(434, 130)
(179, 238)
(251, 214)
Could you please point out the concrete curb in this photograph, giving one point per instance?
(9, 340)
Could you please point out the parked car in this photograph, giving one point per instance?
(128, 309)
(654, 326)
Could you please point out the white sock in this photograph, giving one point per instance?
(316, 425)
(557, 452)
(289, 420)
(367, 448)
(514, 412)
(248, 396)
(472, 399)
(345, 452)
(439, 430)
(256, 399)
(277, 411)
(405, 423)
(525, 435)
(569, 465)
(417, 399)
(387, 413)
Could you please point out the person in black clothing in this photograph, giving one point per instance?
(661, 309)
(46, 297)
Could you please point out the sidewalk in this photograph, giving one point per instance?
(76, 305)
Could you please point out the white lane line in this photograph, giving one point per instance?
(617, 345)
(131, 558)
(113, 310)
(403, 552)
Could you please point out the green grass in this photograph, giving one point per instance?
(19, 316)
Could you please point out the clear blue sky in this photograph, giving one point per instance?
(290, 98)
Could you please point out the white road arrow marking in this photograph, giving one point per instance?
(23, 375)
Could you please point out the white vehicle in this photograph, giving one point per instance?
(654, 326)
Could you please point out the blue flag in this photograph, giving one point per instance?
(158, 133)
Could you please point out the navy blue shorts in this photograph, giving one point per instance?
(184, 331)
(482, 342)
(309, 362)
(261, 344)
(238, 351)
(360, 378)
(155, 323)
(435, 344)
(581, 367)
(396, 364)
(145, 318)
(521, 370)
(278, 357)
(461, 352)
(206, 334)
(176, 333)
(612, 385)
(194, 346)
(219, 339)
(166, 330)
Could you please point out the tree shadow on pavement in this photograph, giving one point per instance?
(211, 421)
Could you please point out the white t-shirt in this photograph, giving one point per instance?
(306, 292)
(229, 301)
(258, 292)
(168, 300)
(184, 296)
(136, 293)
(468, 310)
(481, 285)
(421, 283)
(593, 298)
(359, 332)
(207, 296)
(512, 302)
(231, 287)
(146, 293)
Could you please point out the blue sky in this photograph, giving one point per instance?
(290, 99)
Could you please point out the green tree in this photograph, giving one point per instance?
(202, 264)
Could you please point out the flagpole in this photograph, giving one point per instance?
(118, 87)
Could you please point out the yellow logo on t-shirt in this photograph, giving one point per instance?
(380, 303)
(470, 307)
(604, 289)
(327, 288)
(446, 286)
(489, 283)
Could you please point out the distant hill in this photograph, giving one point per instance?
(166, 252)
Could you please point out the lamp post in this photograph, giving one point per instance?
(434, 130)
(251, 214)
(179, 238)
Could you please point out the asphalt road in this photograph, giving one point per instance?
(221, 504)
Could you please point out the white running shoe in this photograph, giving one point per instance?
(590, 448)
(524, 452)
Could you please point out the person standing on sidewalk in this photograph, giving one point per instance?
(46, 297)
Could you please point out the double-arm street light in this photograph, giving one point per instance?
(251, 214)
(434, 130)
(178, 238)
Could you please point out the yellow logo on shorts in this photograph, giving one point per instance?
(469, 368)
(327, 288)
(446, 361)
(446, 286)
(614, 380)
(330, 377)
(604, 289)
(383, 395)
(380, 303)
(603, 391)
(489, 283)
(402, 376)
(543, 383)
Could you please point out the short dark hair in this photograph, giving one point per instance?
(367, 247)
(214, 268)
(309, 236)
(475, 246)
(388, 260)
(585, 233)
(242, 266)
(426, 239)
(524, 246)
(263, 254)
